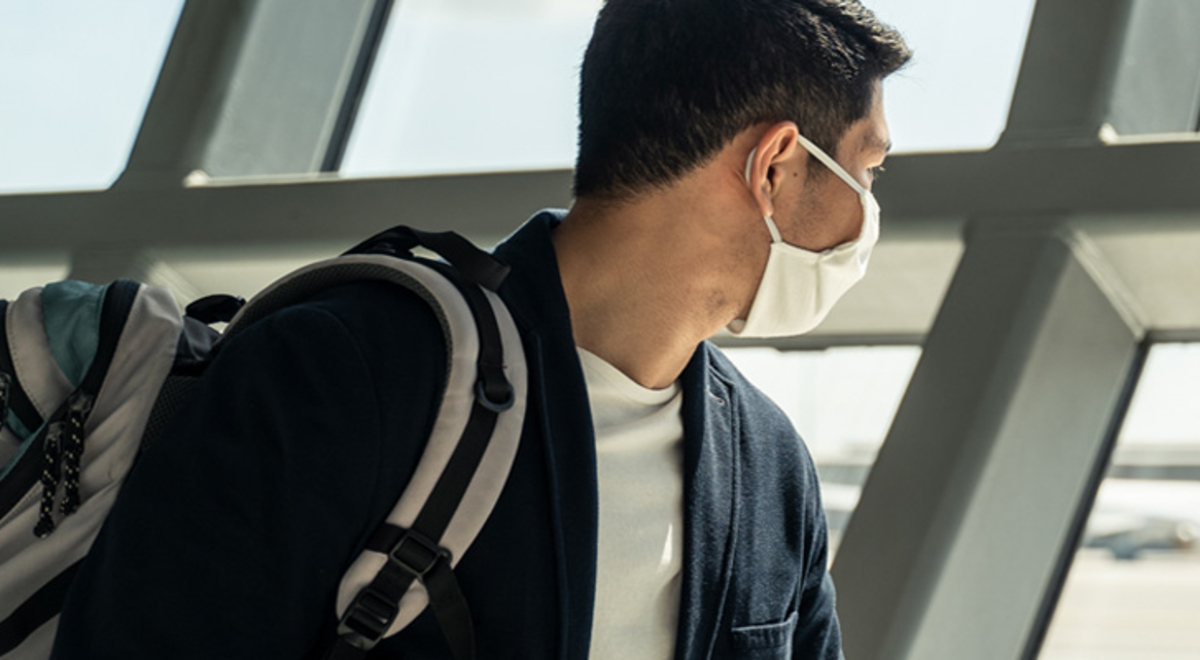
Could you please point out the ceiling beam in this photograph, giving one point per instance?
(923, 195)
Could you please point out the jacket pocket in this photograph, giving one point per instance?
(772, 641)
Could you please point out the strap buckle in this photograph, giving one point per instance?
(373, 610)
(417, 555)
(367, 619)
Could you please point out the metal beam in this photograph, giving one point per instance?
(253, 87)
(1130, 177)
(318, 210)
(964, 516)
(105, 264)
(1157, 87)
(1067, 74)
(923, 195)
(1097, 66)
(183, 109)
(100, 265)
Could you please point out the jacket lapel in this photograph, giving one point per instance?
(533, 293)
(710, 513)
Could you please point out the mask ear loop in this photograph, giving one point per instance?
(776, 237)
(832, 164)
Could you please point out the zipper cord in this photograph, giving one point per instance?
(51, 475)
(63, 449)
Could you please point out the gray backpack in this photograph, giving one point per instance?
(90, 374)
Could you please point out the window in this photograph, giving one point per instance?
(77, 76)
(842, 401)
(1133, 592)
(956, 92)
(462, 86)
(469, 85)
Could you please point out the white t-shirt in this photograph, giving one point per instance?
(639, 464)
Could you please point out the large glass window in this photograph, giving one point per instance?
(473, 85)
(957, 90)
(842, 401)
(462, 85)
(1133, 592)
(75, 77)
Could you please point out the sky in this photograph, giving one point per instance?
(77, 75)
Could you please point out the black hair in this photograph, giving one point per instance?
(666, 84)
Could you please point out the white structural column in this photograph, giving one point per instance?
(255, 87)
(1159, 44)
(248, 87)
(965, 527)
(959, 532)
(1133, 65)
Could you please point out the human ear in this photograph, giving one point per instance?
(772, 158)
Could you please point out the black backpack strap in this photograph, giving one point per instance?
(476, 265)
(39, 608)
(412, 555)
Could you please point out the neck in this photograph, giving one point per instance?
(646, 282)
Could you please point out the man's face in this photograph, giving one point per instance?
(826, 212)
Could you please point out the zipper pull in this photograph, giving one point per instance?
(51, 476)
(78, 410)
(5, 393)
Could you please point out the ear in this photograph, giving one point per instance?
(766, 175)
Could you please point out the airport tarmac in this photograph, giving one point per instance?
(1144, 609)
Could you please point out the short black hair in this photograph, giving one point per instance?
(666, 84)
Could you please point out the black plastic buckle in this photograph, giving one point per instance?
(219, 308)
(367, 619)
(417, 555)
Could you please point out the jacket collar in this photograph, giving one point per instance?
(533, 289)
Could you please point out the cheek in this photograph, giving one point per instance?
(824, 221)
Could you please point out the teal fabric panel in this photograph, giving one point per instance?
(72, 316)
(14, 424)
(27, 439)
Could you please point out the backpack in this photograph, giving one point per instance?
(91, 374)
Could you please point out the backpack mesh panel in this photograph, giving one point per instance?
(174, 392)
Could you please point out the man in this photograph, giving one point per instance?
(659, 506)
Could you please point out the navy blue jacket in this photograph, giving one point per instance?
(233, 530)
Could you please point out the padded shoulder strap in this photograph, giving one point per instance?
(469, 454)
(464, 467)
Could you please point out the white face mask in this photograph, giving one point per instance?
(799, 286)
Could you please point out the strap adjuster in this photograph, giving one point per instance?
(367, 619)
(373, 610)
(417, 555)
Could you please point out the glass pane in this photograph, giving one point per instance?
(464, 85)
(76, 76)
(956, 92)
(842, 401)
(1133, 592)
(472, 85)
